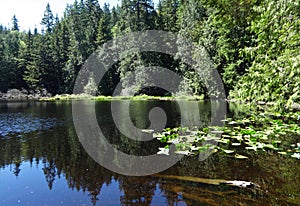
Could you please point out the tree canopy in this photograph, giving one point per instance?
(253, 44)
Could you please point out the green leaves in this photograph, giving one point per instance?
(274, 72)
(264, 134)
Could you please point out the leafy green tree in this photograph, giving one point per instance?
(274, 75)
(229, 21)
(191, 15)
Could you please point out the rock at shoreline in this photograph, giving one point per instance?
(17, 95)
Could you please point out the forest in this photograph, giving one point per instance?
(253, 44)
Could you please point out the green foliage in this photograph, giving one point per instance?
(253, 44)
(91, 87)
(259, 132)
(274, 75)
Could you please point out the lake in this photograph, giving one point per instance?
(42, 162)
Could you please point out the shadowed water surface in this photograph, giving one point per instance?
(43, 163)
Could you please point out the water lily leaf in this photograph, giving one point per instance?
(188, 138)
(227, 130)
(270, 146)
(238, 156)
(260, 145)
(251, 148)
(157, 135)
(195, 148)
(197, 133)
(163, 151)
(238, 137)
(166, 133)
(174, 141)
(147, 131)
(296, 155)
(217, 132)
(225, 141)
(226, 136)
(215, 150)
(182, 152)
(264, 137)
(197, 139)
(228, 151)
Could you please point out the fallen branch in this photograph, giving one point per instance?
(236, 183)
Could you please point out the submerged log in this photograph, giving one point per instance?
(236, 183)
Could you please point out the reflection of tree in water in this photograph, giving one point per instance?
(137, 190)
(87, 175)
(50, 172)
(17, 169)
(171, 194)
(61, 153)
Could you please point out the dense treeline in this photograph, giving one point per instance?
(254, 45)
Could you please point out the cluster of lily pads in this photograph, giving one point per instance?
(262, 132)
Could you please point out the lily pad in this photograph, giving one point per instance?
(163, 151)
(296, 155)
(182, 152)
(193, 148)
(251, 148)
(228, 151)
(225, 141)
(217, 132)
(238, 156)
(148, 131)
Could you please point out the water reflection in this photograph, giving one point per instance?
(19, 123)
(56, 159)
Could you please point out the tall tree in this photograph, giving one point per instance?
(167, 11)
(15, 23)
(48, 19)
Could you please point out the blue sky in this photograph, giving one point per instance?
(30, 12)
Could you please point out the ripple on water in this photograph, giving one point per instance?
(16, 123)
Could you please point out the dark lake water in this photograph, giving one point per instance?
(42, 162)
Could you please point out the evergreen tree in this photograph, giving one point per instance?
(48, 19)
(15, 23)
(3, 69)
(167, 10)
(30, 61)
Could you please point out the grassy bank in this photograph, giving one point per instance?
(67, 97)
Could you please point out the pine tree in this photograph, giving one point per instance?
(104, 30)
(48, 19)
(15, 23)
(32, 61)
(167, 11)
(3, 69)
